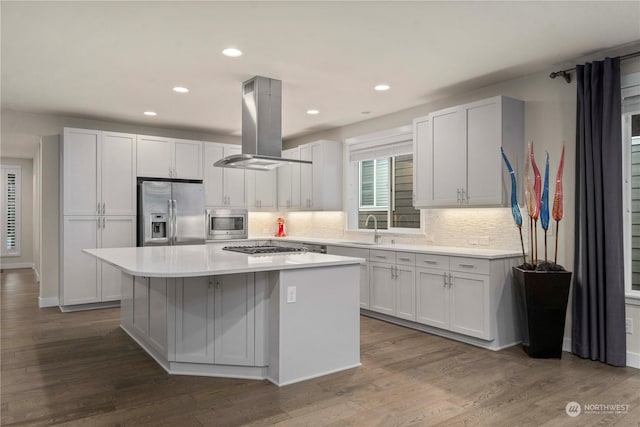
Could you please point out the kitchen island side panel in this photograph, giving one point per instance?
(319, 333)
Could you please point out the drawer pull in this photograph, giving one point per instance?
(428, 261)
(381, 256)
(404, 259)
(467, 265)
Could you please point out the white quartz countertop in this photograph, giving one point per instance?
(207, 260)
(484, 253)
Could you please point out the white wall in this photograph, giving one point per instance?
(41, 130)
(37, 214)
(26, 215)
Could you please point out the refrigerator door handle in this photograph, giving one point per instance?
(175, 222)
(170, 223)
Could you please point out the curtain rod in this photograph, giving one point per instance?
(567, 77)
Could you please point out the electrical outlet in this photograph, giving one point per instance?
(629, 325)
(291, 294)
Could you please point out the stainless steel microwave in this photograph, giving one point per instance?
(227, 224)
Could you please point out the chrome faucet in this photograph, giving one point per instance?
(376, 236)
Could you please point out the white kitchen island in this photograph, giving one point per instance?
(198, 310)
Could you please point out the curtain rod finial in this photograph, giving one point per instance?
(563, 74)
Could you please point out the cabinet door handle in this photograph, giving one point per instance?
(428, 261)
(104, 225)
(467, 265)
(446, 282)
(381, 256)
(450, 280)
(404, 259)
(98, 223)
(98, 208)
(458, 196)
(465, 196)
(104, 208)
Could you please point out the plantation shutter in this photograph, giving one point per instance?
(11, 210)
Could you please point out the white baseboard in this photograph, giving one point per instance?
(14, 265)
(48, 302)
(35, 270)
(633, 359)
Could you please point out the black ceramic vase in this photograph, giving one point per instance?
(542, 298)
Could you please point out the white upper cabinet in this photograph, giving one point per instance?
(155, 157)
(81, 172)
(222, 186)
(312, 187)
(159, 157)
(118, 177)
(422, 155)
(261, 188)
(98, 171)
(289, 181)
(187, 161)
(457, 153)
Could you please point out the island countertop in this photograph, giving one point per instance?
(206, 260)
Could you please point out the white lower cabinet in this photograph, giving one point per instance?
(84, 279)
(457, 301)
(432, 297)
(393, 285)
(365, 297)
(194, 320)
(469, 299)
(234, 319)
(383, 295)
(215, 321)
(140, 315)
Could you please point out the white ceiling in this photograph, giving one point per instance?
(114, 60)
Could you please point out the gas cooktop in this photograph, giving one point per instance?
(259, 250)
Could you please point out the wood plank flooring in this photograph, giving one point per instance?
(81, 369)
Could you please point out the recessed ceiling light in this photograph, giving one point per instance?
(150, 113)
(180, 89)
(232, 52)
(313, 112)
(381, 87)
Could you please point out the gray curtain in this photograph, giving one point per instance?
(598, 287)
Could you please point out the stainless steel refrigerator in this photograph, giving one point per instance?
(170, 213)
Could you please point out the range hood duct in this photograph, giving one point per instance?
(261, 127)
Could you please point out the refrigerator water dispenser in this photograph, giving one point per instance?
(158, 226)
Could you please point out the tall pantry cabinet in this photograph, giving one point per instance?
(98, 210)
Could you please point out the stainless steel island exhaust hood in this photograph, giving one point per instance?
(261, 127)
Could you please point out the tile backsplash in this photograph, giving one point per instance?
(491, 228)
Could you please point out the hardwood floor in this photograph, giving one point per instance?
(81, 369)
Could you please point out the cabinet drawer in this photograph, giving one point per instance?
(382, 256)
(405, 258)
(440, 262)
(471, 265)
